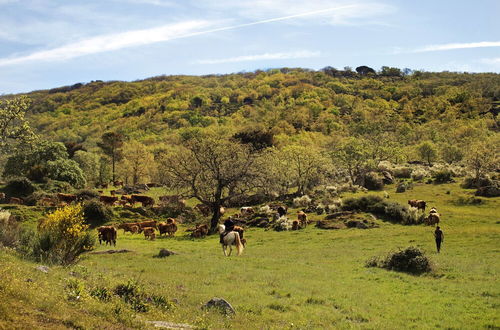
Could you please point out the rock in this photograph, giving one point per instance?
(165, 253)
(387, 178)
(43, 269)
(170, 325)
(401, 188)
(222, 305)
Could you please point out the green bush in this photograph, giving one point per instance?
(373, 181)
(402, 172)
(32, 199)
(96, 213)
(19, 187)
(410, 260)
(87, 194)
(443, 176)
(54, 186)
(472, 183)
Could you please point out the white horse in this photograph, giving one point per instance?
(230, 239)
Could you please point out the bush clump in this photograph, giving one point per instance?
(19, 187)
(402, 172)
(472, 183)
(443, 176)
(409, 260)
(55, 186)
(96, 213)
(373, 181)
(87, 194)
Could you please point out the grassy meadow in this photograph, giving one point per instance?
(307, 279)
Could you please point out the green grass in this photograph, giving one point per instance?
(307, 279)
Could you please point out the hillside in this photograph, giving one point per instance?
(283, 101)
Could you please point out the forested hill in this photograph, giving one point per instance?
(442, 107)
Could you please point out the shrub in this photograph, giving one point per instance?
(402, 172)
(302, 201)
(489, 191)
(471, 183)
(32, 199)
(54, 186)
(96, 213)
(19, 187)
(419, 174)
(62, 236)
(442, 176)
(373, 181)
(467, 200)
(87, 194)
(361, 203)
(410, 260)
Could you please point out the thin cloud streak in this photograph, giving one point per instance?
(453, 46)
(260, 57)
(117, 41)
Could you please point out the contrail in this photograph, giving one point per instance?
(133, 38)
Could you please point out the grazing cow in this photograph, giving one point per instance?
(432, 219)
(246, 210)
(302, 217)
(15, 200)
(200, 231)
(132, 227)
(149, 232)
(149, 223)
(108, 200)
(144, 200)
(295, 225)
(46, 201)
(433, 210)
(2, 197)
(419, 204)
(118, 183)
(169, 227)
(128, 199)
(204, 209)
(66, 198)
(282, 210)
(107, 234)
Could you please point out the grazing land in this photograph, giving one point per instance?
(311, 278)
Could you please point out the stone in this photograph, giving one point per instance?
(43, 269)
(220, 304)
(165, 253)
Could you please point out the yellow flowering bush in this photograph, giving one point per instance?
(62, 236)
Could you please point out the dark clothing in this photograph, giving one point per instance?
(438, 234)
(229, 224)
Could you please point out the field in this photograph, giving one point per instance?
(306, 279)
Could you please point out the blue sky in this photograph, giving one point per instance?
(51, 43)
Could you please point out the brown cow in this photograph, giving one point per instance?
(295, 225)
(118, 183)
(108, 200)
(15, 200)
(132, 227)
(145, 200)
(302, 217)
(66, 198)
(200, 231)
(169, 227)
(149, 232)
(419, 204)
(46, 201)
(432, 219)
(148, 223)
(107, 234)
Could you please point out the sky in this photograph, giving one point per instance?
(51, 43)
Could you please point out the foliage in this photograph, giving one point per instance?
(90, 164)
(111, 144)
(86, 195)
(427, 152)
(62, 236)
(372, 181)
(137, 163)
(14, 128)
(481, 158)
(48, 160)
(353, 155)
(442, 176)
(409, 260)
(19, 187)
(96, 213)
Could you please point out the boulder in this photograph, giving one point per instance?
(165, 253)
(219, 304)
(43, 269)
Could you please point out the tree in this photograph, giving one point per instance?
(111, 144)
(481, 158)
(212, 169)
(365, 70)
(14, 128)
(137, 161)
(353, 156)
(48, 160)
(89, 163)
(427, 152)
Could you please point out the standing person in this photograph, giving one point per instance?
(439, 236)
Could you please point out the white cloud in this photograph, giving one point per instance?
(491, 61)
(111, 42)
(452, 46)
(261, 57)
